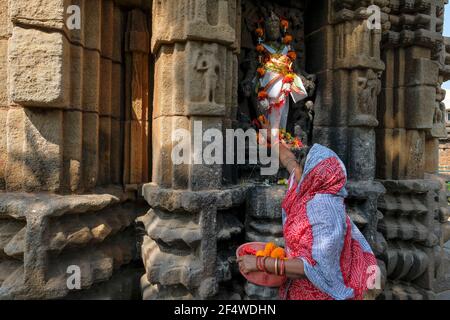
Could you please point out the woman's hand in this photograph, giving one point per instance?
(247, 263)
(286, 155)
(288, 160)
(264, 135)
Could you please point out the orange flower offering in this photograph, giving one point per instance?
(261, 71)
(289, 139)
(271, 250)
(284, 23)
(262, 95)
(262, 119)
(289, 78)
(260, 48)
(259, 32)
(292, 55)
(260, 253)
(278, 253)
(297, 143)
(287, 39)
(270, 246)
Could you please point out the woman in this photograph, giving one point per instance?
(328, 257)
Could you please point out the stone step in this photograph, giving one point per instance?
(228, 225)
(171, 228)
(166, 268)
(157, 292)
(403, 229)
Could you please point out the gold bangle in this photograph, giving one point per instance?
(276, 266)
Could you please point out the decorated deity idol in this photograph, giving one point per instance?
(276, 78)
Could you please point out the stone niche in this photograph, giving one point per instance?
(262, 219)
(300, 114)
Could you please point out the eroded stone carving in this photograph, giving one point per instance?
(208, 66)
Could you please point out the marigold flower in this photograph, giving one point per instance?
(297, 143)
(284, 23)
(278, 253)
(260, 253)
(259, 32)
(262, 119)
(287, 39)
(260, 48)
(292, 55)
(262, 95)
(261, 71)
(289, 78)
(270, 246)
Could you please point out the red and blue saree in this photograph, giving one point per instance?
(317, 230)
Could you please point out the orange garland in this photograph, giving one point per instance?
(259, 32)
(292, 55)
(261, 71)
(289, 78)
(262, 95)
(264, 58)
(287, 39)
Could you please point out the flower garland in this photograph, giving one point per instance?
(286, 71)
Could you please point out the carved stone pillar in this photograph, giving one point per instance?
(344, 52)
(410, 119)
(195, 45)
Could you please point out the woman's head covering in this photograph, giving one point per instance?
(329, 175)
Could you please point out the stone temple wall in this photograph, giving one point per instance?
(411, 119)
(367, 78)
(194, 220)
(72, 147)
(86, 124)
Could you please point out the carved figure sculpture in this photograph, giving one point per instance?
(276, 80)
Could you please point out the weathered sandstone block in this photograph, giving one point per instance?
(39, 13)
(92, 24)
(3, 147)
(91, 80)
(38, 74)
(3, 74)
(199, 20)
(76, 77)
(43, 150)
(15, 130)
(5, 24)
(72, 155)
